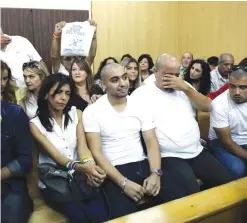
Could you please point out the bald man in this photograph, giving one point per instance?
(172, 102)
(219, 76)
(186, 59)
(113, 125)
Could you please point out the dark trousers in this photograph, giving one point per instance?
(87, 211)
(137, 172)
(204, 166)
(16, 207)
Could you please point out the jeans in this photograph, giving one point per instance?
(204, 166)
(137, 172)
(16, 207)
(235, 165)
(87, 211)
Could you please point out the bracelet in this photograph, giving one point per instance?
(86, 157)
(70, 165)
(87, 160)
(124, 184)
(56, 35)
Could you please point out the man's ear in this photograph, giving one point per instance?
(103, 85)
(154, 69)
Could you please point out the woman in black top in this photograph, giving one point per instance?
(82, 78)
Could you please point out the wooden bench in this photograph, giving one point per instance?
(223, 204)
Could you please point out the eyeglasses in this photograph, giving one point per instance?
(31, 64)
(237, 67)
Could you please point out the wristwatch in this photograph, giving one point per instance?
(159, 172)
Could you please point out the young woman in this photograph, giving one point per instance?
(34, 74)
(82, 78)
(59, 131)
(132, 70)
(198, 75)
(146, 65)
(7, 90)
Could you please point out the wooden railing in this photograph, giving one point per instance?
(223, 204)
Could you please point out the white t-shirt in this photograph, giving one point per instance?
(18, 52)
(31, 105)
(63, 70)
(226, 113)
(174, 118)
(119, 132)
(151, 79)
(63, 139)
(217, 81)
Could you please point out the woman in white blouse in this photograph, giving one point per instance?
(59, 131)
(34, 74)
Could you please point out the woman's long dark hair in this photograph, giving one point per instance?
(205, 80)
(102, 64)
(43, 111)
(9, 91)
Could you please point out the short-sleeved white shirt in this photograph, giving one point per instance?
(63, 70)
(174, 119)
(18, 52)
(217, 81)
(151, 79)
(119, 132)
(63, 139)
(31, 105)
(226, 113)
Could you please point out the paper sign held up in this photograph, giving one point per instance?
(76, 39)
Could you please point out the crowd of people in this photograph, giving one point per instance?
(131, 129)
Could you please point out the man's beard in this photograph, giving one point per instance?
(168, 90)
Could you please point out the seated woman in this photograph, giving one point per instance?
(132, 69)
(16, 157)
(7, 90)
(34, 74)
(198, 75)
(59, 131)
(146, 65)
(81, 76)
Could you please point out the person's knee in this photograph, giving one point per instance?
(238, 170)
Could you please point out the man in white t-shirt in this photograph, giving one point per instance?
(15, 51)
(113, 127)
(172, 102)
(228, 125)
(219, 76)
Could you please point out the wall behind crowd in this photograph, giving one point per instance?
(204, 28)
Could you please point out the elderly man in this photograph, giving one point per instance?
(228, 125)
(172, 102)
(219, 76)
(113, 127)
(186, 59)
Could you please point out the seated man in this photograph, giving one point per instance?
(16, 161)
(112, 126)
(228, 125)
(219, 76)
(172, 103)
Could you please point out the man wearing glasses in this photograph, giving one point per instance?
(219, 76)
(228, 124)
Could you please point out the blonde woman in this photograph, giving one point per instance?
(34, 74)
(132, 70)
